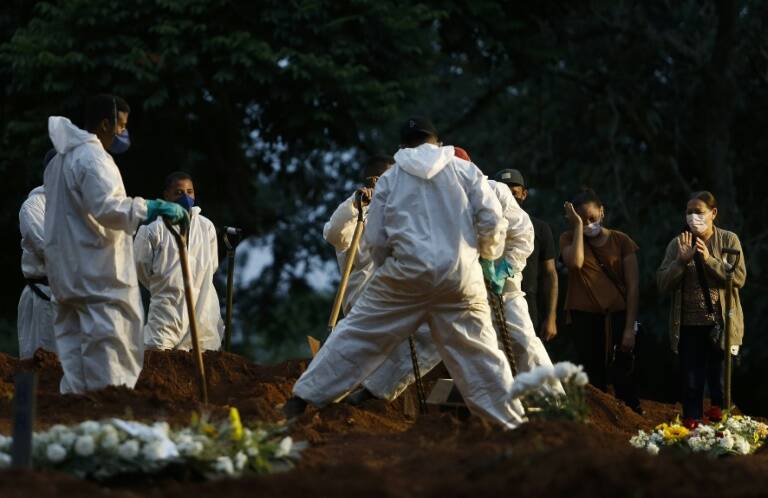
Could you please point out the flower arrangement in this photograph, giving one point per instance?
(553, 392)
(100, 450)
(734, 435)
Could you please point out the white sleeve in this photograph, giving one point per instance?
(214, 242)
(143, 255)
(375, 233)
(339, 229)
(104, 197)
(31, 222)
(519, 240)
(490, 224)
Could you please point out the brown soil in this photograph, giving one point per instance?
(381, 449)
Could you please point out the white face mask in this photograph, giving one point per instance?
(593, 229)
(697, 223)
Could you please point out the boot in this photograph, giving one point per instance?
(294, 407)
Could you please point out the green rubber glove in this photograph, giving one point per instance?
(497, 273)
(170, 210)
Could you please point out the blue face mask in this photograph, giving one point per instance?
(121, 143)
(185, 201)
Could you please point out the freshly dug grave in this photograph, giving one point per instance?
(382, 449)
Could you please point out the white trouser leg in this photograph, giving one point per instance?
(396, 373)
(380, 321)
(528, 349)
(35, 323)
(467, 343)
(66, 327)
(99, 345)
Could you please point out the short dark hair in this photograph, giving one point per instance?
(586, 196)
(706, 197)
(175, 177)
(103, 107)
(377, 164)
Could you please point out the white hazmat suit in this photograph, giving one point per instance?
(431, 215)
(89, 252)
(527, 348)
(35, 313)
(396, 373)
(159, 270)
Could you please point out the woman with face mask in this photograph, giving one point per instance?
(602, 297)
(693, 273)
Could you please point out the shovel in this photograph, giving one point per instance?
(497, 312)
(231, 239)
(728, 303)
(181, 237)
(314, 344)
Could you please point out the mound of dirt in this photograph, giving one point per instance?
(379, 448)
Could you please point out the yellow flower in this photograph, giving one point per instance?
(675, 432)
(194, 419)
(237, 426)
(661, 427)
(208, 430)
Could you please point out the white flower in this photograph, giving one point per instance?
(581, 379)
(566, 369)
(67, 438)
(129, 449)
(640, 440)
(162, 428)
(56, 453)
(153, 451)
(741, 446)
(240, 460)
(85, 446)
(110, 440)
(284, 448)
(224, 465)
(90, 427)
(5, 442)
(726, 442)
(652, 449)
(5, 460)
(253, 451)
(190, 447)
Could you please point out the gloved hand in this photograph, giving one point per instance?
(174, 212)
(497, 274)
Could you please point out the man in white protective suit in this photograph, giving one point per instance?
(89, 222)
(394, 375)
(527, 348)
(159, 270)
(35, 313)
(432, 215)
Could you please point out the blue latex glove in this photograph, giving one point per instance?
(497, 274)
(174, 212)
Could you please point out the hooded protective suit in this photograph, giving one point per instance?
(396, 373)
(35, 316)
(159, 270)
(527, 348)
(431, 215)
(89, 253)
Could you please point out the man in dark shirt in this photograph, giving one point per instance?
(539, 272)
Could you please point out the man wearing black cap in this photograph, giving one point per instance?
(539, 269)
(431, 217)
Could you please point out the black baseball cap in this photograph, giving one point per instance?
(417, 125)
(511, 177)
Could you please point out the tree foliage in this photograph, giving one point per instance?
(272, 105)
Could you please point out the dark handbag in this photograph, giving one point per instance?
(716, 334)
(621, 362)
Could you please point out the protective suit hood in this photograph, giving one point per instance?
(66, 136)
(424, 161)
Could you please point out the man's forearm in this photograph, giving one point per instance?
(550, 294)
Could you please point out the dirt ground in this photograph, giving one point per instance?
(380, 449)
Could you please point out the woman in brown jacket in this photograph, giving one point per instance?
(694, 272)
(602, 297)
